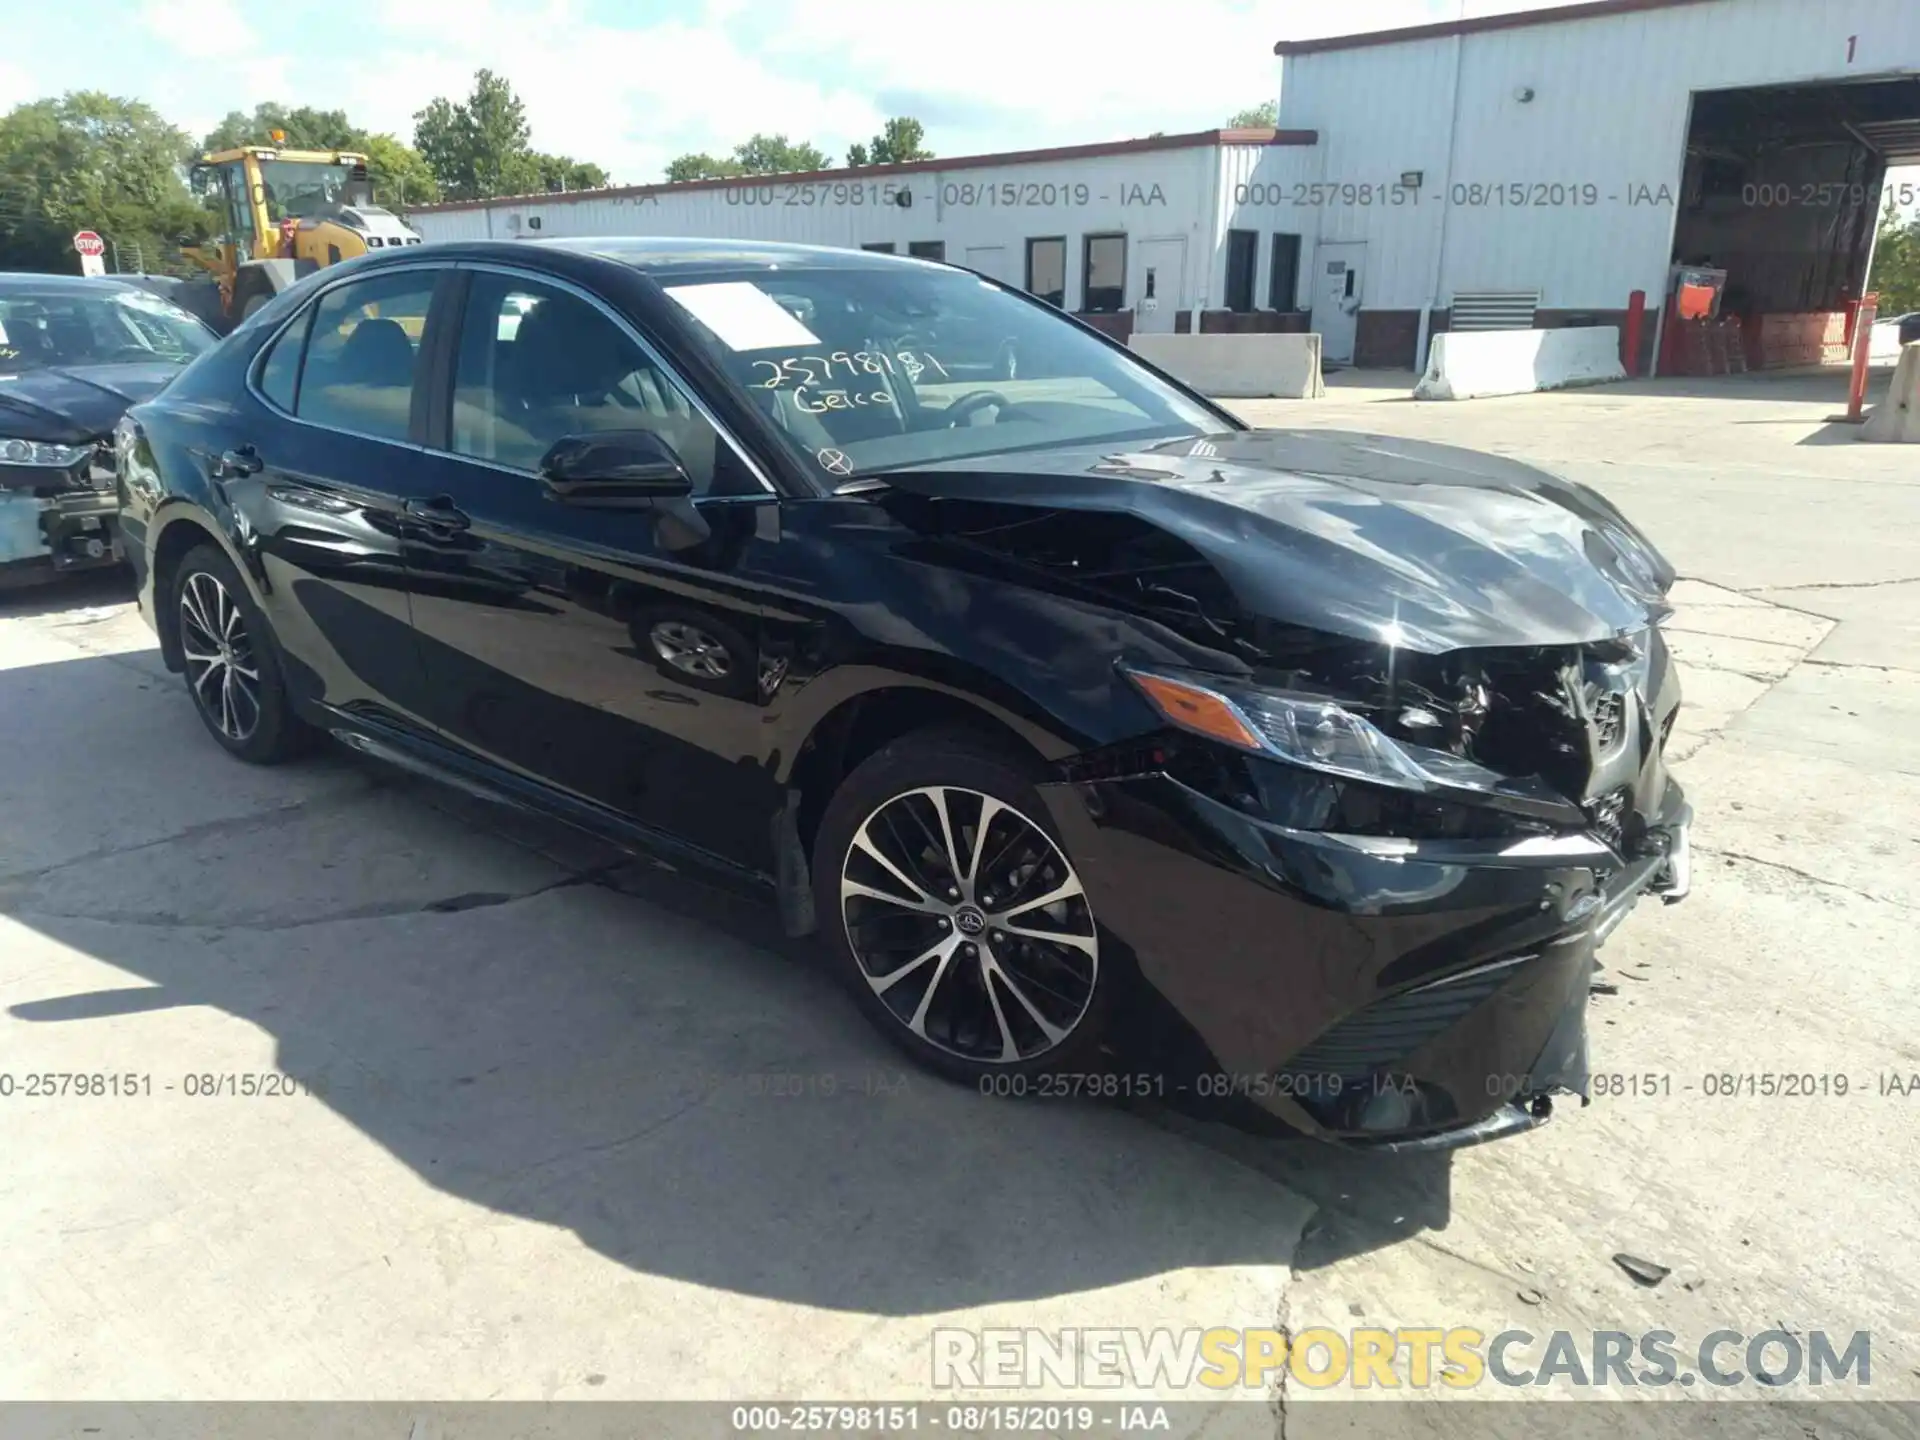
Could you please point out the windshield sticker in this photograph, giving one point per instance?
(744, 316)
(834, 462)
(798, 370)
(147, 300)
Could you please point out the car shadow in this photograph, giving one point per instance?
(55, 593)
(612, 1048)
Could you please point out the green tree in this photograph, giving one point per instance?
(1896, 262)
(701, 166)
(401, 176)
(305, 128)
(91, 161)
(897, 144)
(475, 147)
(777, 155)
(535, 172)
(1265, 115)
(759, 155)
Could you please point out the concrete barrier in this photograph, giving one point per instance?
(1883, 343)
(1897, 418)
(1465, 364)
(1238, 367)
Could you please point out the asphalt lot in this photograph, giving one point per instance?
(546, 1156)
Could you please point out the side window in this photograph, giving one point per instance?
(537, 363)
(280, 375)
(361, 355)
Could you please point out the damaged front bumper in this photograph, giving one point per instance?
(43, 535)
(1388, 995)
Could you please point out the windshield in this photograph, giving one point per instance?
(303, 189)
(870, 369)
(110, 326)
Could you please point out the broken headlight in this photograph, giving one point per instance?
(1319, 733)
(40, 453)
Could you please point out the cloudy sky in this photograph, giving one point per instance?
(633, 83)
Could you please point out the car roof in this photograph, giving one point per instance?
(657, 253)
(76, 284)
(655, 256)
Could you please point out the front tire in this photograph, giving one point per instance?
(955, 915)
(231, 663)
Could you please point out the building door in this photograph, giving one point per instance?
(989, 260)
(1155, 283)
(1337, 272)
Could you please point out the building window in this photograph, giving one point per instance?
(1283, 274)
(1243, 248)
(880, 247)
(1103, 281)
(927, 249)
(1047, 269)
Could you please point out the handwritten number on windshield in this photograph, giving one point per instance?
(818, 370)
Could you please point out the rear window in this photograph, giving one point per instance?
(362, 352)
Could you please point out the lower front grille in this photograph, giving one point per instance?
(1608, 709)
(1377, 1038)
(1609, 814)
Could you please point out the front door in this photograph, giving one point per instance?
(320, 472)
(1338, 270)
(989, 260)
(1155, 283)
(587, 648)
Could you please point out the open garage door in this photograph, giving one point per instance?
(1782, 191)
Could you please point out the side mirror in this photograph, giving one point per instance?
(614, 469)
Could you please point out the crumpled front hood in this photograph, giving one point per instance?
(70, 404)
(1427, 547)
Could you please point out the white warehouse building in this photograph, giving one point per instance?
(1526, 169)
(1128, 234)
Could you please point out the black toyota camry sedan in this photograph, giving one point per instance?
(1065, 707)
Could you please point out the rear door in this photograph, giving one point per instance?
(578, 646)
(324, 475)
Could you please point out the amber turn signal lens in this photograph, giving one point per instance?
(1192, 708)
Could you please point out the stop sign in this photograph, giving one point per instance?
(88, 243)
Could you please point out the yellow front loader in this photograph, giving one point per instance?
(283, 214)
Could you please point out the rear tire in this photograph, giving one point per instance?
(933, 920)
(232, 663)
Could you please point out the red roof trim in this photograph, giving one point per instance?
(1259, 136)
(1591, 10)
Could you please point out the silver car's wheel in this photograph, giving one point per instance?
(219, 657)
(969, 924)
(691, 650)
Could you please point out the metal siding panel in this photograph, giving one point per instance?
(1379, 113)
(1612, 97)
(1155, 193)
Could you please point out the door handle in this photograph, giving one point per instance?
(438, 512)
(241, 460)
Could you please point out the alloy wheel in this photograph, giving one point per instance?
(219, 656)
(690, 649)
(969, 924)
